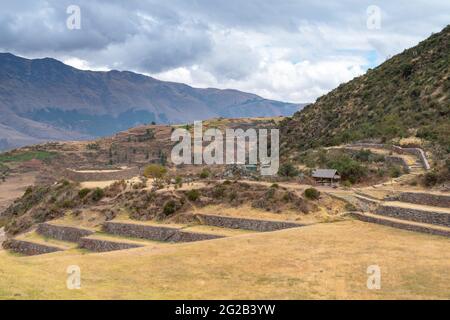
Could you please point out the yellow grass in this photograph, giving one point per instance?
(319, 261)
(246, 211)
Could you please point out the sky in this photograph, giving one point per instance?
(289, 50)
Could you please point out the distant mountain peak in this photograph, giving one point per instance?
(45, 99)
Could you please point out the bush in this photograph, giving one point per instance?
(348, 168)
(193, 195)
(218, 191)
(155, 171)
(312, 193)
(169, 207)
(275, 185)
(83, 193)
(287, 170)
(204, 174)
(97, 194)
(430, 179)
(395, 172)
(66, 204)
(363, 155)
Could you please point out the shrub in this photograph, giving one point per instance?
(28, 191)
(218, 191)
(169, 207)
(193, 195)
(348, 168)
(204, 174)
(83, 193)
(275, 185)
(312, 193)
(287, 170)
(363, 155)
(395, 172)
(430, 179)
(155, 171)
(67, 204)
(97, 194)
(346, 184)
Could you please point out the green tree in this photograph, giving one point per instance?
(155, 171)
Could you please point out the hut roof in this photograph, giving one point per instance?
(326, 173)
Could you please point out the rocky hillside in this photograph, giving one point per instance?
(407, 96)
(44, 99)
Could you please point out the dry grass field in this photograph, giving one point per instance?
(327, 260)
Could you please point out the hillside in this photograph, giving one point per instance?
(44, 99)
(408, 95)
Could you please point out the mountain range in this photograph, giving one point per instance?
(45, 99)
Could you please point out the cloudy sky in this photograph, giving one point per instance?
(290, 50)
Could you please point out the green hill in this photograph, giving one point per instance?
(407, 96)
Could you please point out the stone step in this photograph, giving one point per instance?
(103, 243)
(245, 223)
(402, 224)
(416, 213)
(61, 232)
(155, 232)
(29, 248)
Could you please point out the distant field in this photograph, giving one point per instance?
(26, 156)
(321, 261)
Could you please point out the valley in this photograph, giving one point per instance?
(363, 181)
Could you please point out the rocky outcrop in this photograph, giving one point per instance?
(28, 248)
(246, 224)
(429, 217)
(156, 233)
(64, 233)
(102, 245)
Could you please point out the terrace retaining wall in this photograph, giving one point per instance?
(399, 225)
(427, 199)
(246, 224)
(65, 233)
(100, 245)
(28, 248)
(99, 175)
(430, 217)
(155, 233)
(414, 151)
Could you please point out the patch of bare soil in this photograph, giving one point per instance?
(14, 187)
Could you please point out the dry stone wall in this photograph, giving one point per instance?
(399, 225)
(246, 224)
(427, 199)
(28, 248)
(101, 245)
(155, 233)
(99, 175)
(430, 217)
(64, 233)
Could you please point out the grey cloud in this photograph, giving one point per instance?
(155, 36)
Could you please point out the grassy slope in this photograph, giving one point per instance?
(321, 261)
(408, 92)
